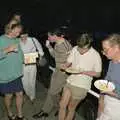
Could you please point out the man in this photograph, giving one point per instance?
(109, 102)
(87, 62)
(60, 53)
(30, 45)
(11, 70)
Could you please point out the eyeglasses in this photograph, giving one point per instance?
(105, 51)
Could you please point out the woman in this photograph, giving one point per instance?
(60, 53)
(29, 45)
(85, 58)
(12, 70)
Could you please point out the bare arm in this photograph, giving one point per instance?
(91, 73)
(51, 50)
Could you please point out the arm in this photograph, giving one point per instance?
(5, 51)
(91, 73)
(39, 47)
(65, 66)
(51, 50)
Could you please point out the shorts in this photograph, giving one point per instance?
(77, 92)
(11, 87)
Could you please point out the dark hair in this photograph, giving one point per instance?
(58, 32)
(84, 40)
(16, 25)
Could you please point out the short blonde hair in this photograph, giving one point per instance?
(8, 27)
(113, 39)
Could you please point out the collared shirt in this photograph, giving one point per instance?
(29, 47)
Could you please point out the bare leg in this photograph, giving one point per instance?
(64, 103)
(7, 100)
(71, 109)
(100, 105)
(19, 103)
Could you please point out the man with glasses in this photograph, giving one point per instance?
(109, 102)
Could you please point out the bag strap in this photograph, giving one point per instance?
(34, 44)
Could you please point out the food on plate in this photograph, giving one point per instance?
(72, 70)
(104, 85)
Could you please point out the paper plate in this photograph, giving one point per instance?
(72, 70)
(104, 85)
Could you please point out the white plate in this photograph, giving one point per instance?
(72, 70)
(104, 85)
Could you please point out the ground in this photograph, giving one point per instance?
(29, 109)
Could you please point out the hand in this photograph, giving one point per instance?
(65, 66)
(111, 93)
(47, 44)
(10, 48)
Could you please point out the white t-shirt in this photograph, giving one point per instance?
(90, 61)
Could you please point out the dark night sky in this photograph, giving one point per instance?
(40, 15)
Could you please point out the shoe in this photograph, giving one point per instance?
(56, 113)
(21, 118)
(40, 115)
(13, 117)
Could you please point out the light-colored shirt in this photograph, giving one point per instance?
(90, 61)
(61, 52)
(29, 47)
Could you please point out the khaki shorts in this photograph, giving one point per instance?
(77, 92)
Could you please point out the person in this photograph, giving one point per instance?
(16, 16)
(87, 62)
(29, 45)
(109, 102)
(58, 79)
(12, 70)
(14, 19)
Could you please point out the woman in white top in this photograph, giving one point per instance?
(29, 45)
(87, 61)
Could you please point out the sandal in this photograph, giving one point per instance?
(21, 118)
(13, 117)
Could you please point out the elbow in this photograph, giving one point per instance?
(98, 75)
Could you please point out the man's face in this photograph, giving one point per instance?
(109, 50)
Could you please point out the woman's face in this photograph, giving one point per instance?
(52, 38)
(109, 50)
(83, 50)
(15, 32)
(24, 37)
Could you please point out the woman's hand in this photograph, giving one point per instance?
(65, 66)
(10, 48)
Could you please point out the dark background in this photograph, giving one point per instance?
(39, 16)
(42, 15)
